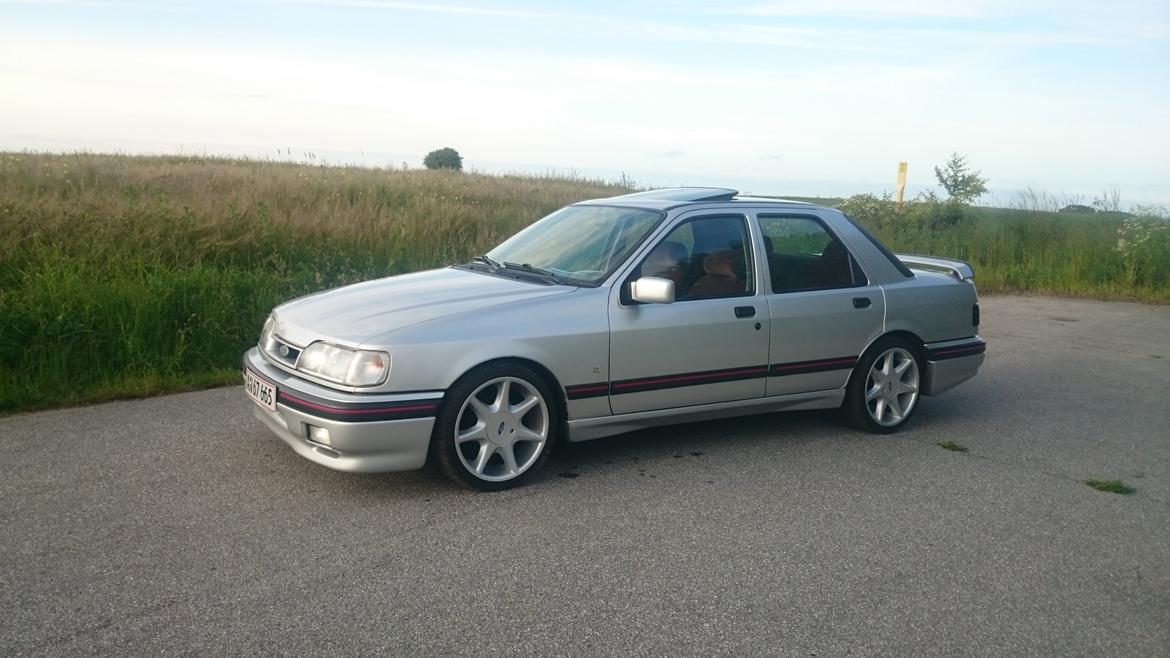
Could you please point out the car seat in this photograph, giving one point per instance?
(720, 277)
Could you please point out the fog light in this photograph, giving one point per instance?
(318, 435)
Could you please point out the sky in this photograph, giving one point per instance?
(800, 97)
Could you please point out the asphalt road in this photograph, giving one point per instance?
(178, 525)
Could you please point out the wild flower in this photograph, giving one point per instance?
(1143, 240)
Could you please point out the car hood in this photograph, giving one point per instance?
(354, 314)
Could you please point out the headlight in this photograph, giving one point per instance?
(266, 333)
(343, 365)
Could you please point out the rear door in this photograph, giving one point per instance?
(711, 344)
(823, 308)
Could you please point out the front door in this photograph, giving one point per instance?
(711, 343)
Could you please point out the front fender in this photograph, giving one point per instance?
(567, 334)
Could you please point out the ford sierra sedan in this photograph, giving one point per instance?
(610, 315)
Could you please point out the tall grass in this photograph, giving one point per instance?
(131, 275)
(1094, 254)
(1044, 252)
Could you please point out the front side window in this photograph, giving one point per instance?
(803, 255)
(706, 258)
(580, 244)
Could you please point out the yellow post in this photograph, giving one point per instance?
(901, 182)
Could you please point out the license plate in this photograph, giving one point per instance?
(261, 392)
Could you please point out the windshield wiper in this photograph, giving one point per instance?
(525, 267)
(486, 261)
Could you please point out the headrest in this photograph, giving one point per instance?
(720, 263)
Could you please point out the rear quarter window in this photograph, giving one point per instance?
(882, 248)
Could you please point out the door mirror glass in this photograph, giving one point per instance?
(652, 290)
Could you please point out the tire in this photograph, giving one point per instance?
(878, 402)
(483, 444)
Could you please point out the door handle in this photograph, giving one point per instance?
(861, 302)
(745, 311)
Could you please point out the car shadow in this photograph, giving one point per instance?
(648, 446)
(693, 439)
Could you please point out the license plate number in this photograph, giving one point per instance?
(261, 392)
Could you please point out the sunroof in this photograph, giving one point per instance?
(686, 194)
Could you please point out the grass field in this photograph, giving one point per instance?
(124, 276)
(1106, 255)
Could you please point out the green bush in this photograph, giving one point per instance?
(444, 158)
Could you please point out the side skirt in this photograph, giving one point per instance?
(596, 428)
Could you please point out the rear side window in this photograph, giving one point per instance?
(882, 248)
(804, 255)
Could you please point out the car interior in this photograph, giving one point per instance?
(808, 258)
(706, 258)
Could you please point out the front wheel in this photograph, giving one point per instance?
(884, 389)
(497, 427)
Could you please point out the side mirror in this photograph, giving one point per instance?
(652, 290)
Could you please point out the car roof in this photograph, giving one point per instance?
(676, 197)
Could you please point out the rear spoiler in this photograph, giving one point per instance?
(956, 268)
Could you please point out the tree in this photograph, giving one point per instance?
(962, 185)
(444, 158)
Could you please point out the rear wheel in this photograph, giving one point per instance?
(496, 428)
(885, 387)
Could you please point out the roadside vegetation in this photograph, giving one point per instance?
(1106, 255)
(123, 276)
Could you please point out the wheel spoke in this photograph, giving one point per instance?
(525, 405)
(903, 367)
(473, 433)
(502, 396)
(509, 455)
(888, 364)
(873, 392)
(904, 387)
(895, 408)
(486, 450)
(879, 409)
(482, 412)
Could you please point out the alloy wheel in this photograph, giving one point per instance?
(891, 390)
(501, 429)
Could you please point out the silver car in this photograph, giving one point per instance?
(607, 316)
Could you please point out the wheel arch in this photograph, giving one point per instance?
(545, 373)
(904, 334)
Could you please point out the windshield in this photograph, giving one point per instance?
(581, 244)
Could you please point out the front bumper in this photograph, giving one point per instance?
(367, 432)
